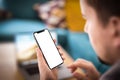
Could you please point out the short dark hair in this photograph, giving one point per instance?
(105, 8)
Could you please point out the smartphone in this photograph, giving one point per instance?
(48, 48)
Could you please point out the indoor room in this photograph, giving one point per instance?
(59, 39)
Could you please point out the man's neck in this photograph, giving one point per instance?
(103, 62)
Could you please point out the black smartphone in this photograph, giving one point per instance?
(48, 48)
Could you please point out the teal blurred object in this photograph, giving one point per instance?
(24, 18)
(22, 8)
(14, 26)
(1, 4)
(9, 28)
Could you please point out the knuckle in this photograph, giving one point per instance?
(79, 60)
(90, 64)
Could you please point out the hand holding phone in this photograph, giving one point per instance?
(48, 48)
(45, 72)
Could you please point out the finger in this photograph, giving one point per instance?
(72, 68)
(63, 58)
(81, 64)
(61, 54)
(55, 71)
(54, 40)
(39, 54)
(59, 48)
(41, 61)
(78, 76)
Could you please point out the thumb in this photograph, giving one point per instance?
(79, 76)
(40, 58)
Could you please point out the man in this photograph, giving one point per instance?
(103, 27)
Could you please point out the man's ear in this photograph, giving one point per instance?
(115, 23)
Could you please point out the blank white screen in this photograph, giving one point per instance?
(48, 48)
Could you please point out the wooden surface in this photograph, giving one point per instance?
(8, 63)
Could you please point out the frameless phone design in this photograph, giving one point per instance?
(48, 48)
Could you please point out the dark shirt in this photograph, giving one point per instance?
(113, 73)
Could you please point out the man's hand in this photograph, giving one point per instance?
(91, 72)
(45, 72)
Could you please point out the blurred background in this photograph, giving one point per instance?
(20, 18)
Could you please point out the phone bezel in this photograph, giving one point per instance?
(41, 49)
